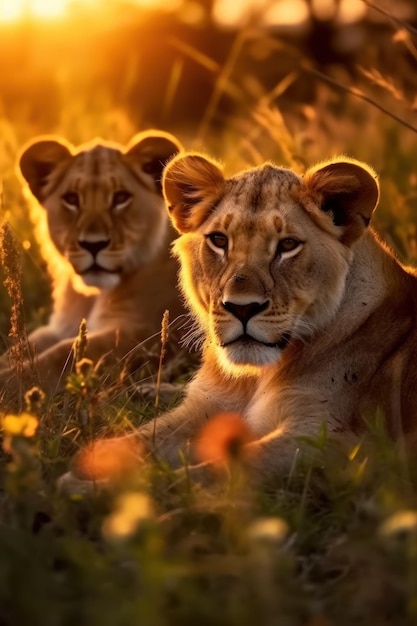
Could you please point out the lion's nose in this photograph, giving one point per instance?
(94, 247)
(244, 312)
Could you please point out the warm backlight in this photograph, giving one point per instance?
(286, 12)
(14, 10)
(226, 12)
(11, 10)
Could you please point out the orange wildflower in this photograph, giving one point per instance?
(224, 439)
(108, 459)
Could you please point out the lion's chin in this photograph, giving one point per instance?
(102, 280)
(252, 354)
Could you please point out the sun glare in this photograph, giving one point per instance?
(14, 10)
(11, 10)
(226, 12)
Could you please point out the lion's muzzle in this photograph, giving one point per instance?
(244, 312)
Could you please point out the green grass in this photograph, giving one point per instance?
(336, 543)
(333, 544)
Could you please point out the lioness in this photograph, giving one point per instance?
(307, 317)
(106, 217)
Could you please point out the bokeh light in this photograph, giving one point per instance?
(11, 10)
(227, 13)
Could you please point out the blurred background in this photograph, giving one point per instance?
(294, 81)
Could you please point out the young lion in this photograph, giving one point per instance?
(106, 218)
(307, 317)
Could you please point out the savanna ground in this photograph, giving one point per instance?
(330, 544)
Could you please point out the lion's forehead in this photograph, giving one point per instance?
(97, 161)
(100, 167)
(261, 188)
(259, 206)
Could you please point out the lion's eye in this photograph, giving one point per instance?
(121, 199)
(218, 240)
(288, 245)
(71, 200)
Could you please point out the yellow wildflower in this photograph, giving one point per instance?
(23, 425)
(401, 522)
(268, 530)
(131, 510)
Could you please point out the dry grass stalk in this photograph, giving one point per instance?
(164, 343)
(80, 344)
(11, 261)
(356, 92)
(382, 81)
(405, 25)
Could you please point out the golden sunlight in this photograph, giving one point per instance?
(286, 12)
(226, 12)
(14, 10)
(153, 4)
(11, 10)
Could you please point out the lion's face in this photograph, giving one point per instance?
(265, 255)
(104, 205)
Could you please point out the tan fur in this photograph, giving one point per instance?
(106, 242)
(330, 322)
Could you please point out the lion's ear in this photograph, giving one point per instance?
(192, 185)
(39, 159)
(348, 191)
(151, 151)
